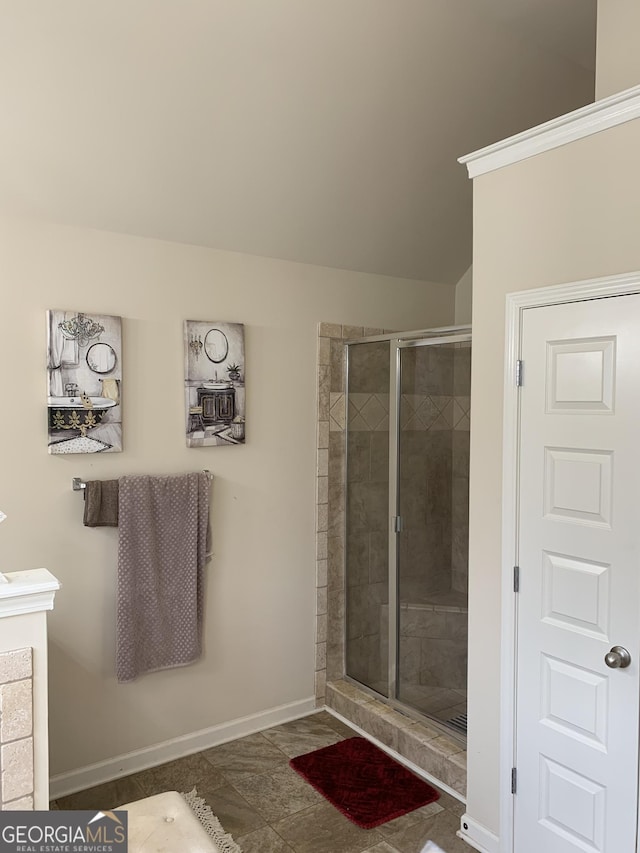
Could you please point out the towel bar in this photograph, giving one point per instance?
(77, 484)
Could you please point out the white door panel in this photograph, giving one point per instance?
(579, 555)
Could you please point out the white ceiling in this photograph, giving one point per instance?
(321, 131)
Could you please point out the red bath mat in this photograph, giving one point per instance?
(363, 782)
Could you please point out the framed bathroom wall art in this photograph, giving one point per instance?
(214, 382)
(84, 382)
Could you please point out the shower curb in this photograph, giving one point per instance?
(441, 757)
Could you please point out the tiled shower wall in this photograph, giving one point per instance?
(460, 481)
(330, 507)
(434, 439)
(434, 476)
(367, 539)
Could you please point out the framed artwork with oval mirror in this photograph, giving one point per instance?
(84, 366)
(214, 383)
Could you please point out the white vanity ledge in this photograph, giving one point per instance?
(27, 592)
(601, 115)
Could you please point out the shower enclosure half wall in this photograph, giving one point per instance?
(406, 520)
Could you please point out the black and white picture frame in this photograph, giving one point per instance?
(214, 383)
(84, 367)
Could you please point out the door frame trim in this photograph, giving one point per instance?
(596, 288)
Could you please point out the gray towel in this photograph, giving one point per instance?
(162, 550)
(101, 503)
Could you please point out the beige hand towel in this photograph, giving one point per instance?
(110, 389)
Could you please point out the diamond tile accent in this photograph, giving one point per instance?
(358, 400)
(441, 422)
(412, 402)
(464, 403)
(412, 422)
(447, 412)
(421, 412)
(358, 424)
(373, 412)
(457, 412)
(440, 402)
(427, 412)
(336, 411)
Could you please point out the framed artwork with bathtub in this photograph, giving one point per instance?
(214, 383)
(84, 376)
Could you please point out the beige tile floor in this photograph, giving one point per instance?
(268, 807)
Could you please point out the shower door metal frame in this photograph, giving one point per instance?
(397, 342)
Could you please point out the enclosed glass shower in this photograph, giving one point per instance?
(406, 523)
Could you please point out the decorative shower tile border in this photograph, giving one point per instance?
(419, 412)
(369, 412)
(336, 411)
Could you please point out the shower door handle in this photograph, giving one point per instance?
(396, 521)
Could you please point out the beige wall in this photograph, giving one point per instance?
(464, 290)
(261, 583)
(563, 216)
(618, 57)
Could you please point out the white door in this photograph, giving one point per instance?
(579, 556)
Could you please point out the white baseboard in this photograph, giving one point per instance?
(399, 758)
(151, 756)
(478, 836)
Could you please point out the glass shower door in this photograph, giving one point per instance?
(367, 515)
(432, 500)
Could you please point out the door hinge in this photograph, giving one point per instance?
(519, 367)
(514, 780)
(397, 523)
(516, 578)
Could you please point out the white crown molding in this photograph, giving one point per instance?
(601, 115)
(27, 592)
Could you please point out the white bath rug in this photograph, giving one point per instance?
(431, 847)
(210, 823)
(78, 445)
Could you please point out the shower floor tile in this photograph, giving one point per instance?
(268, 808)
